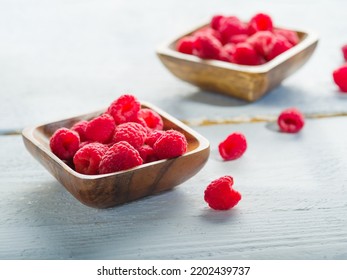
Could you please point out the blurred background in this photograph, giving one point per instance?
(61, 58)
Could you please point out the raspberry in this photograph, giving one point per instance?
(220, 195)
(124, 109)
(64, 143)
(290, 35)
(260, 22)
(171, 144)
(262, 42)
(152, 119)
(344, 51)
(87, 158)
(230, 49)
(216, 21)
(207, 47)
(233, 147)
(100, 129)
(185, 45)
(80, 127)
(208, 32)
(131, 132)
(147, 153)
(153, 136)
(291, 120)
(121, 156)
(245, 54)
(280, 45)
(240, 38)
(340, 77)
(231, 26)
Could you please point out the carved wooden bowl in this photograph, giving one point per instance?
(102, 191)
(240, 81)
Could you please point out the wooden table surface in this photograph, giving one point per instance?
(65, 58)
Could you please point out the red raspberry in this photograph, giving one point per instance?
(100, 129)
(291, 120)
(208, 32)
(153, 136)
(340, 77)
(147, 153)
(262, 42)
(152, 119)
(80, 127)
(87, 159)
(245, 54)
(280, 45)
(171, 144)
(344, 51)
(216, 21)
(290, 35)
(124, 109)
(233, 147)
(64, 143)
(207, 47)
(220, 195)
(231, 26)
(230, 49)
(133, 133)
(186, 44)
(121, 156)
(240, 38)
(260, 22)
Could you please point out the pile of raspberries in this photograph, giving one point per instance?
(229, 39)
(124, 136)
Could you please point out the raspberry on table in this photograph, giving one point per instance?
(260, 22)
(340, 77)
(124, 109)
(100, 129)
(344, 51)
(152, 119)
(64, 143)
(233, 147)
(153, 136)
(80, 127)
(87, 158)
(186, 45)
(220, 195)
(121, 156)
(133, 133)
(171, 144)
(291, 120)
(245, 54)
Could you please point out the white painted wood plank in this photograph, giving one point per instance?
(294, 205)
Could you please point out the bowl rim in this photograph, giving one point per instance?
(28, 133)
(166, 50)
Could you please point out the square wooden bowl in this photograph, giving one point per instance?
(102, 191)
(240, 81)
